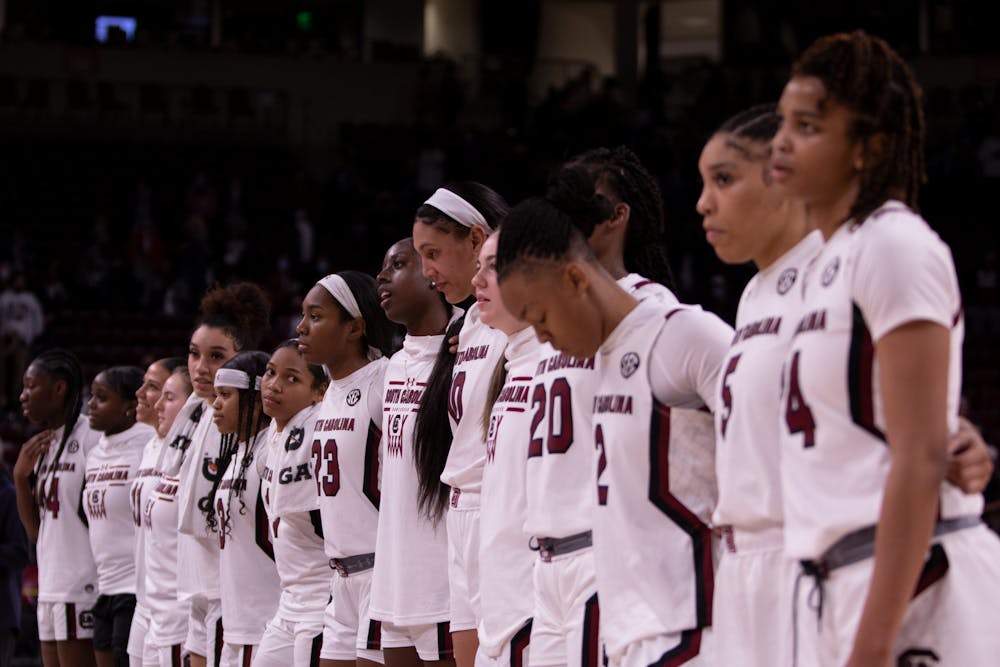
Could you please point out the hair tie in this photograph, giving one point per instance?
(232, 377)
(338, 289)
(458, 209)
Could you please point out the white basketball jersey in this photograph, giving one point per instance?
(198, 547)
(346, 460)
(653, 548)
(505, 559)
(868, 280)
(410, 582)
(289, 493)
(146, 478)
(560, 442)
(111, 468)
(247, 573)
(66, 570)
(746, 423)
(643, 288)
(168, 615)
(479, 350)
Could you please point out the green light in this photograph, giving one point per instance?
(305, 21)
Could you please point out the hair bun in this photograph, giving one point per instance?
(571, 190)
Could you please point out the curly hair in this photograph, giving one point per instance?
(866, 75)
(241, 310)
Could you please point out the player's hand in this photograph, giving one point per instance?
(970, 466)
(35, 447)
(453, 344)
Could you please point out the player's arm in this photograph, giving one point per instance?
(970, 461)
(23, 473)
(913, 365)
(686, 358)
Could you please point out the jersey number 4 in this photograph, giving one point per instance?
(798, 416)
(326, 467)
(560, 414)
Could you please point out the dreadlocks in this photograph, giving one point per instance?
(863, 73)
(60, 364)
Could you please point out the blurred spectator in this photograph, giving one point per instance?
(13, 559)
(21, 322)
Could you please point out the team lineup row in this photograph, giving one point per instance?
(561, 464)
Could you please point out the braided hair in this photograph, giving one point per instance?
(60, 364)
(866, 75)
(621, 172)
(250, 421)
(549, 229)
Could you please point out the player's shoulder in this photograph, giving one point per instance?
(894, 227)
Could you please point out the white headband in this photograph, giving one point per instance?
(338, 289)
(457, 209)
(231, 377)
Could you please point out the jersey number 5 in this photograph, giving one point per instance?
(328, 477)
(560, 408)
(727, 394)
(798, 416)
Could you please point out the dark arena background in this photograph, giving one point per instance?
(150, 149)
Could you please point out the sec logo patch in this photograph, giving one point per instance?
(354, 397)
(629, 364)
(830, 272)
(786, 280)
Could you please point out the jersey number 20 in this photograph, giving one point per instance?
(560, 412)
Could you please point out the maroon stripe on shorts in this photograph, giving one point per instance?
(445, 648)
(688, 648)
(519, 644)
(591, 636)
(374, 635)
(70, 621)
(317, 646)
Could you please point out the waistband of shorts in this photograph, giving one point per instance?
(737, 541)
(461, 499)
(352, 564)
(550, 547)
(860, 545)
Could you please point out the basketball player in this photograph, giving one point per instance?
(748, 218)
(48, 478)
(506, 561)
(177, 419)
(248, 578)
(409, 593)
(145, 480)
(872, 381)
(231, 319)
(344, 328)
(653, 549)
(560, 465)
(291, 391)
(111, 468)
(448, 232)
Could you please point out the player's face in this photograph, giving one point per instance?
(737, 203)
(491, 308)
(40, 395)
(109, 411)
(227, 409)
(149, 393)
(403, 291)
(814, 158)
(172, 398)
(553, 299)
(323, 330)
(210, 347)
(448, 261)
(287, 386)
